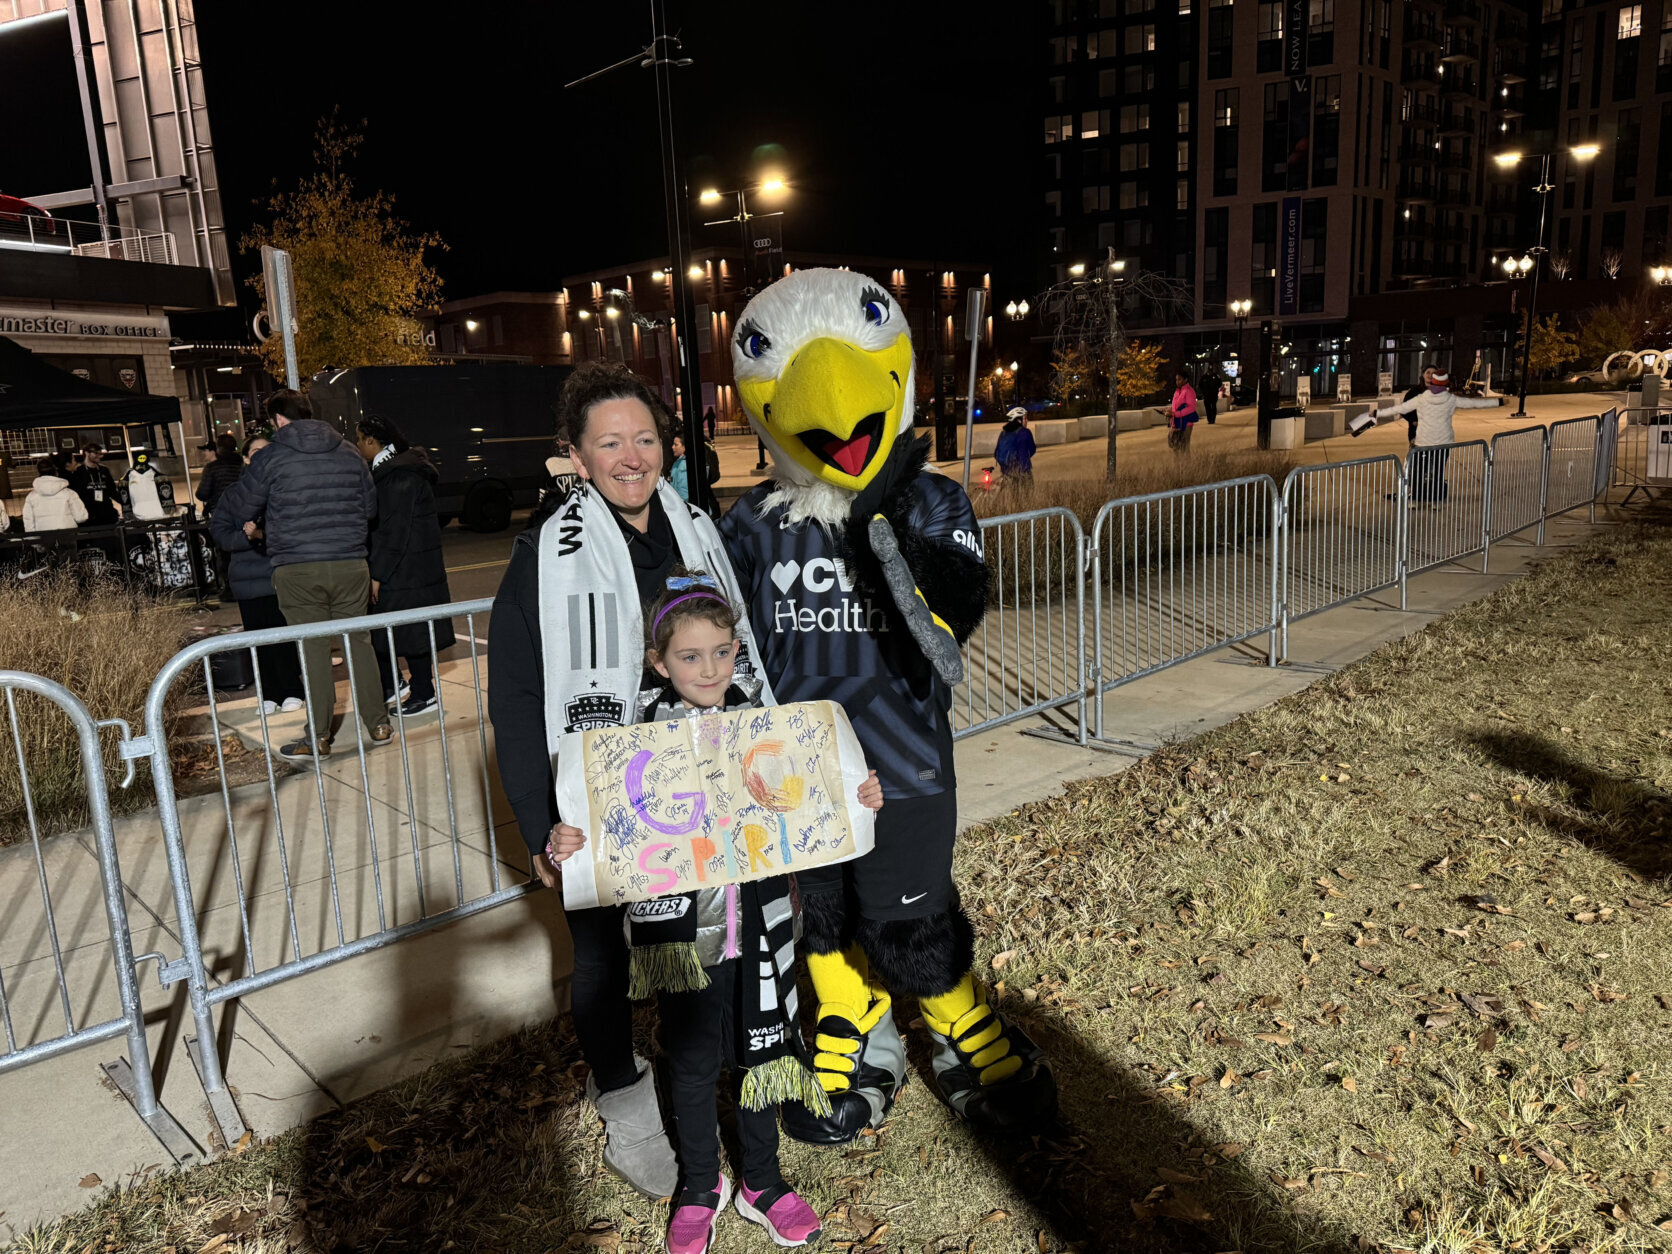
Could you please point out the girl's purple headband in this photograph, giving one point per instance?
(689, 596)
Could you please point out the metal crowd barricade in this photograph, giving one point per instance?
(1446, 486)
(1643, 450)
(1343, 536)
(1027, 655)
(1519, 460)
(1571, 480)
(1608, 450)
(312, 886)
(41, 989)
(1178, 574)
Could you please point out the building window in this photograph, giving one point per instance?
(1269, 28)
(1184, 8)
(1094, 199)
(1134, 117)
(1320, 32)
(1108, 83)
(1134, 195)
(1063, 48)
(1628, 138)
(1101, 44)
(1552, 10)
(1184, 156)
(1059, 128)
(1216, 235)
(1183, 203)
(1314, 247)
(1326, 129)
(1625, 57)
(1631, 21)
(1275, 148)
(1184, 116)
(1139, 79)
(1053, 204)
(1140, 39)
(1221, 37)
(1140, 6)
(1225, 136)
(1094, 122)
(1134, 157)
(1262, 258)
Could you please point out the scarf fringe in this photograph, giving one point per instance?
(784, 1079)
(673, 968)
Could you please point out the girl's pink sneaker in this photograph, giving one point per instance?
(691, 1230)
(788, 1220)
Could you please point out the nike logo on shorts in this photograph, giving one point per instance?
(906, 901)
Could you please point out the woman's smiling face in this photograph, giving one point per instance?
(620, 451)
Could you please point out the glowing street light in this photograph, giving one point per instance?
(1077, 269)
(696, 271)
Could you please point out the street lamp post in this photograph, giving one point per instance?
(1579, 152)
(1240, 309)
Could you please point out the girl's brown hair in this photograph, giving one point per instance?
(689, 594)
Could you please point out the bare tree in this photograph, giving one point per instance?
(1091, 313)
(1612, 259)
(1561, 264)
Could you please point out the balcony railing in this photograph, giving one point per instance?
(31, 233)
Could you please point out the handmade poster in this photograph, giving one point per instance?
(710, 799)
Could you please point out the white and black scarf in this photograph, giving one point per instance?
(591, 621)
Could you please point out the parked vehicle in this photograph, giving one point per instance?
(488, 428)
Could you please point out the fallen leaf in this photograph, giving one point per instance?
(1485, 1006)
(1176, 1177)
(1438, 1022)
(91, 1181)
(1350, 1084)
(1229, 1078)
(995, 1216)
(214, 1243)
(1549, 1159)
(1487, 1041)
(1185, 1207)
(1274, 1038)
(1002, 959)
(243, 1142)
(374, 1145)
(1230, 1149)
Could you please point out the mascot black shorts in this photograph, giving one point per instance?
(908, 875)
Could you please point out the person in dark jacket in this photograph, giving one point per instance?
(314, 497)
(220, 474)
(96, 487)
(250, 578)
(1207, 392)
(1015, 448)
(407, 569)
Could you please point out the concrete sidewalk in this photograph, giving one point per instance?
(359, 847)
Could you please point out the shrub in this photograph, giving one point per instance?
(103, 642)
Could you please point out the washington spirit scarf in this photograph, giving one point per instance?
(674, 939)
(591, 621)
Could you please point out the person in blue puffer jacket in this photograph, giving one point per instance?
(1015, 449)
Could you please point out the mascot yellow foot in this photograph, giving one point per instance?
(987, 1070)
(860, 1059)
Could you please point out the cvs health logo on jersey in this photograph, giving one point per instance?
(815, 596)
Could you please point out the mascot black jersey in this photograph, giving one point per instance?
(828, 633)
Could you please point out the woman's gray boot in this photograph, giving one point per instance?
(636, 1143)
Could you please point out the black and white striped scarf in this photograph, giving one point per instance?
(591, 621)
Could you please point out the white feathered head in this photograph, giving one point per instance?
(825, 371)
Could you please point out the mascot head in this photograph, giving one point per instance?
(824, 369)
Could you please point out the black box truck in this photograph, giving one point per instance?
(488, 428)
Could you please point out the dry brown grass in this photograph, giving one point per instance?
(105, 644)
(1385, 966)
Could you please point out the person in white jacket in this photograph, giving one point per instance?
(50, 505)
(1434, 408)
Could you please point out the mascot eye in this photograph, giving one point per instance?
(875, 306)
(751, 341)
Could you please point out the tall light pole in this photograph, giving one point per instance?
(1579, 152)
(1240, 309)
(661, 55)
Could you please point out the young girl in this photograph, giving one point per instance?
(689, 950)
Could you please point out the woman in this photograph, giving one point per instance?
(250, 575)
(1183, 414)
(220, 474)
(50, 505)
(568, 641)
(679, 474)
(1433, 408)
(407, 569)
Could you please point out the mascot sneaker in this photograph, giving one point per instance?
(989, 1072)
(788, 1220)
(691, 1229)
(862, 1071)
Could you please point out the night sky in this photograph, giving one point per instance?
(907, 129)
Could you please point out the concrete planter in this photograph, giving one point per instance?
(1325, 424)
(1094, 426)
(1055, 431)
(1287, 432)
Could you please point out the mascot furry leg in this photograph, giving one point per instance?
(865, 574)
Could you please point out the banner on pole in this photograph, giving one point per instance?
(710, 799)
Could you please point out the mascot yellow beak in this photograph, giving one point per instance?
(835, 408)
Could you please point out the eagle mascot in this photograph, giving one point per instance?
(864, 574)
